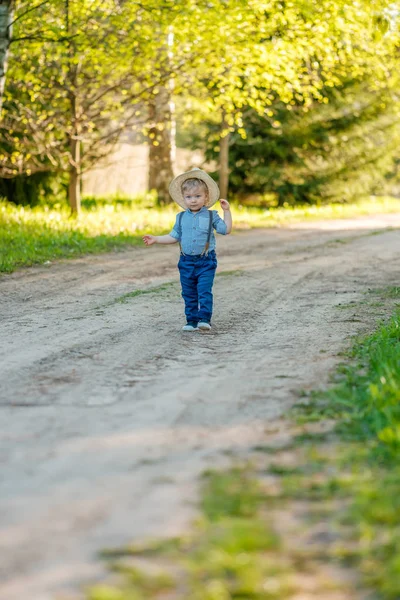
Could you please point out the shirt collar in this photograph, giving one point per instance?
(203, 209)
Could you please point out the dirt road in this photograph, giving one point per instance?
(109, 412)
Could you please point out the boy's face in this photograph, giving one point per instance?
(195, 198)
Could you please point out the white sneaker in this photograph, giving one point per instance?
(204, 326)
(189, 327)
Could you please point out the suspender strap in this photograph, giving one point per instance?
(210, 216)
(180, 231)
(210, 223)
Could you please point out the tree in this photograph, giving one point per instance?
(333, 152)
(67, 104)
(298, 50)
(160, 126)
(6, 19)
(160, 143)
(78, 82)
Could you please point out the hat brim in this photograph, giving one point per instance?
(175, 187)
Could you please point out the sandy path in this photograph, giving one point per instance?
(109, 412)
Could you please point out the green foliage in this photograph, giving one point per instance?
(310, 104)
(296, 51)
(78, 75)
(43, 187)
(334, 152)
(87, 75)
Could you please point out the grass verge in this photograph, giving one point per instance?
(363, 471)
(33, 236)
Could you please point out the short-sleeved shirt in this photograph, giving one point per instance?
(195, 230)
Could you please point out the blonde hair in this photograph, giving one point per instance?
(193, 182)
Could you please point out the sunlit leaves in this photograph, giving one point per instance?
(293, 50)
(227, 55)
(101, 59)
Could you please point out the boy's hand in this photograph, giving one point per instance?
(224, 204)
(149, 239)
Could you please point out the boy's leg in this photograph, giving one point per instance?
(205, 280)
(189, 289)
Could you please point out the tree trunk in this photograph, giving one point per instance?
(224, 159)
(160, 145)
(74, 188)
(6, 18)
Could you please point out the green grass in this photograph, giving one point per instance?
(366, 406)
(160, 288)
(232, 553)
(229, 273)
(392, 292)
(34, 236)
(369, 393)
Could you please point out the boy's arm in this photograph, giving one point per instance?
(227, 215)
(165, 239)
(170, 238)
(159, 239)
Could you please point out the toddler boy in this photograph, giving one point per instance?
(196, 192)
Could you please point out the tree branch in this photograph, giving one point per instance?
(28, 11)
(44, 39)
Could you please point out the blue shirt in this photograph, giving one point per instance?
(195, 230)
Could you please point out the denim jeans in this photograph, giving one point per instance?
(197, 278)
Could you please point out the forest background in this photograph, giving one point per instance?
(296, 101)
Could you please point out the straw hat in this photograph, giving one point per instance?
(175, 188)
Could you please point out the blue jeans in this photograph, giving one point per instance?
(197, 278)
